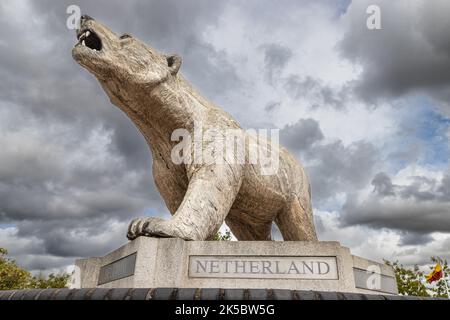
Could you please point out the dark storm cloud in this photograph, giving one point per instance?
(414, 238)
(122, 197)
(74, 237)
(334, 167)
(38, 263)
(209, 69)
(383, 185)
(337, 167)
(410, 53)
(420, 189)
(276, 57)
(301, 135)
(297, 87)
(323, 95)
(420, 207)
(271, 106)
(42, 177)
(44, 245)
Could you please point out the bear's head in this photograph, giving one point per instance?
(123, 59)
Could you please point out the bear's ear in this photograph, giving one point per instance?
(174, 63)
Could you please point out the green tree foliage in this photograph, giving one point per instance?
(11, 276)
(223, 236)
(410, 282)
(413, 282)
(14, 277)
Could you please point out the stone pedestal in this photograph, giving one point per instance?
(175, 263)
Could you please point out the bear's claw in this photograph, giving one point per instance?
(149, 227)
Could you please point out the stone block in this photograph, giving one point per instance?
(291, 265)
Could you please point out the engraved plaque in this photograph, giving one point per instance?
(368, 280)
(263, 267)
(118, 269)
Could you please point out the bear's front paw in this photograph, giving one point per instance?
(149, 227)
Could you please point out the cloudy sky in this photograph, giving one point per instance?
(366, 111)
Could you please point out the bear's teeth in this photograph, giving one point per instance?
(88, 33)
(83, 43)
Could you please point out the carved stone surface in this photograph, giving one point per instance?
(148, 88)
(270, 267)
(294, 265)
(119, 269)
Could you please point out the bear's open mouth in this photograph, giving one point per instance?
(90, 39)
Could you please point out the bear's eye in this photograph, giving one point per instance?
(125, 36)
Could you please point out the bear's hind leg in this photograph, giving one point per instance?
(296, 222)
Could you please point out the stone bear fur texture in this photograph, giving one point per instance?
(148, 88)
